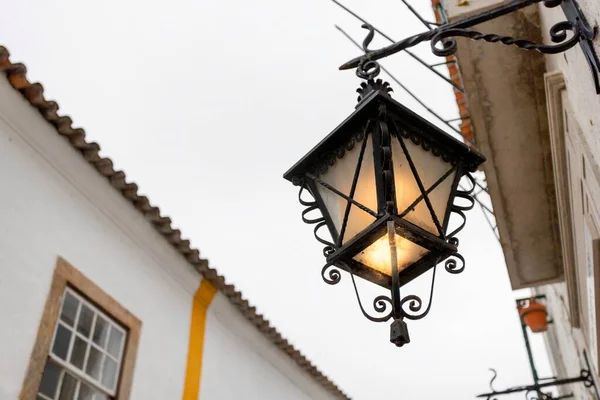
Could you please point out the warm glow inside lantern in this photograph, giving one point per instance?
(385, 163)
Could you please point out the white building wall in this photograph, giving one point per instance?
(565, 342)
(580, 85)
(54, 204)
(231, 369)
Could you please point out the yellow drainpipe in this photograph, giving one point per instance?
(202, 299)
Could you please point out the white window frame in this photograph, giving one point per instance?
(583, 193)
(80, 374)
(564, 180)
(590, 279)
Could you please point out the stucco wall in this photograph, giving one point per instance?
(54, 204)
(504, 86)
(564, 342)
(580, 86)
(231, 371)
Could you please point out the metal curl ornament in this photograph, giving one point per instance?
(415, 303)
(495, 373)
(459, 210)
(380, 305)
(334, 274)
(558, 34)
(318, 222)
(452, 266)
(368, 69)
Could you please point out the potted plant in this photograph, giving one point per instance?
(534, 315)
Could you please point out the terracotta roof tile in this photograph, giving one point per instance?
(16, 74)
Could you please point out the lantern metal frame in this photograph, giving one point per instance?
(378, 115)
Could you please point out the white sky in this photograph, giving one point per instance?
(205, 104)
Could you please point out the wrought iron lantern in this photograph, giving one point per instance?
(385, 182)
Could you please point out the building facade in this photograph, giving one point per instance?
(537, 120)
(101, 298)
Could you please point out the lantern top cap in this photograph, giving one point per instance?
(369, 109)
(370, 86)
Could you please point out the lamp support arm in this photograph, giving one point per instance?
(584, 377)
(414, 40)
(576, 24)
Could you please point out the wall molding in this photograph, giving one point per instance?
(555, 88)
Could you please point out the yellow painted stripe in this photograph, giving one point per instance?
(202, 300)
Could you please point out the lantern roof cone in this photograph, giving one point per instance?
(432, 137)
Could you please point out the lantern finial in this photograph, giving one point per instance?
(399, 333)
(370, 86)
(368, 70)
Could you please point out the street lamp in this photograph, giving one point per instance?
(385, 182)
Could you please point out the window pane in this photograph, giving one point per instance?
(69, 309)
(100, 332)
(78, 353)
(61, 342)
(114, 342)
(67, 389)
(109, 375)
(94, 363)
(84, 324)
(101, 396)
(50, 379)
(85, 392)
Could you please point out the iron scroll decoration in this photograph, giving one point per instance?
(535, 391)
(564, 35)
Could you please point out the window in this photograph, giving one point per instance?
(86, 352)
(585, 216)
(589, 278)
(86, 343)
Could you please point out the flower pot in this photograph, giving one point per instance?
(534, 315)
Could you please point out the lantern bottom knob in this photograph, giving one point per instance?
(399, 333)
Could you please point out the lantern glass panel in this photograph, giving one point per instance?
(377, 255)
(340, 175)
(430, 169)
